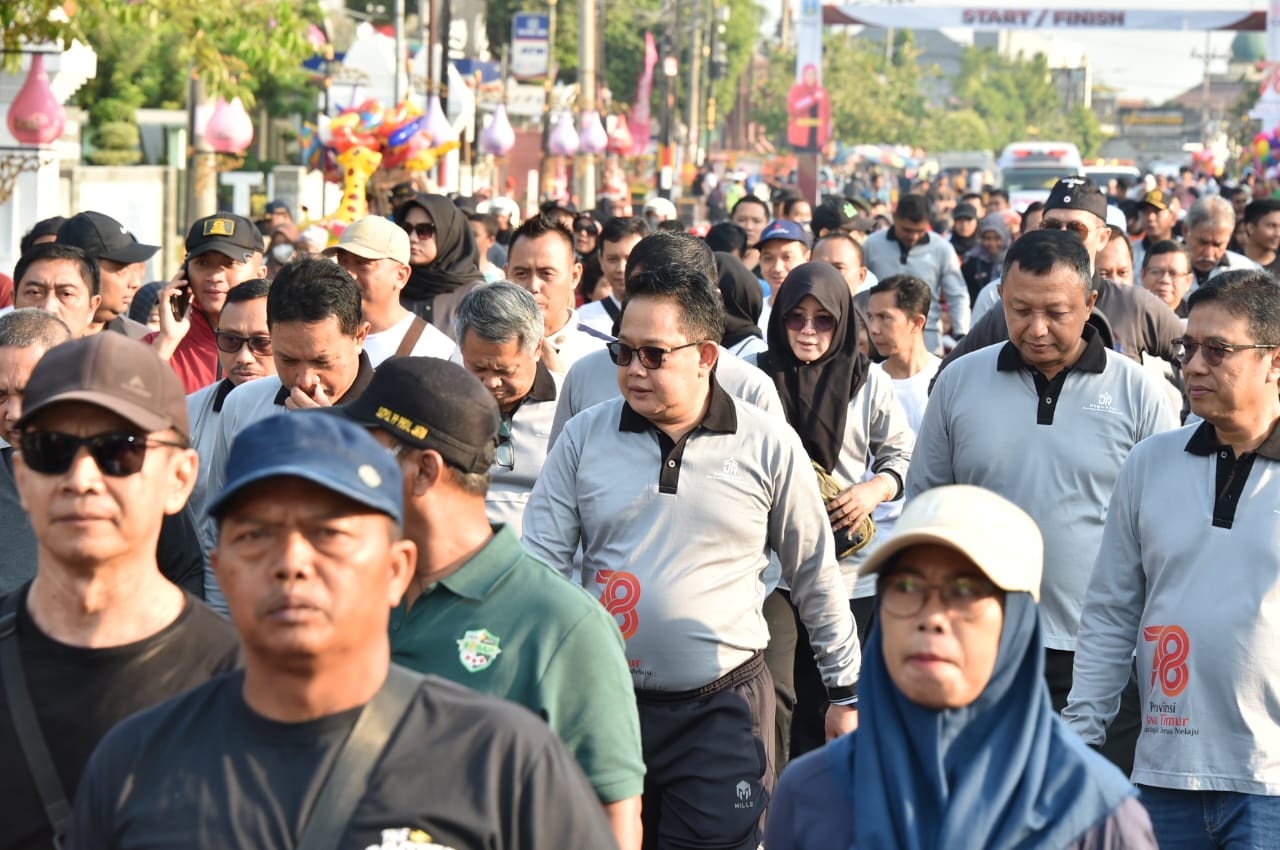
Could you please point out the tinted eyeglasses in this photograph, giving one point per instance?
(1185, 349)
(650, 355)
(423, 229)
(904, 594)
(505, 456)
(1078, 228)
(232, 343)
(797, 321)
(117, 455)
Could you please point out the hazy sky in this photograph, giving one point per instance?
(1145, 65)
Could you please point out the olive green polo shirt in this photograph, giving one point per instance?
(508, 625)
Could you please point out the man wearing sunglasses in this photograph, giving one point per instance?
(1046, 420)
(100, 633)
(1136, 320)
(1191, 582)
(676, 493)
(244, 355)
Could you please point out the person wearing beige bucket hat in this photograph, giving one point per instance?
(957, 743)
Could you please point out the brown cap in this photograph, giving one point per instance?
(116, 373)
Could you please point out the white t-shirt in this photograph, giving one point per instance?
(913, 392)
(432, 343)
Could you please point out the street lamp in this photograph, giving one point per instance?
(667, 159)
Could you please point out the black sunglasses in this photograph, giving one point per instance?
(1185, 349)
(232, 343)
(821, 324)
(1078, 228)
(117, 455)
(423, 229)
(650, 355)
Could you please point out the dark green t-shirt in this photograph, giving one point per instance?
(507, 625)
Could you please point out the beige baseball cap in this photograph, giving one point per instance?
(999, 537)
(374, 238)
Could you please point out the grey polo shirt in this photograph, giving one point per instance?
(1054, 448)
(675, 538)
(1188, 576)
(530, 431)
(934, 261)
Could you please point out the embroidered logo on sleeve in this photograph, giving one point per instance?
(406, 839)
(477, 649)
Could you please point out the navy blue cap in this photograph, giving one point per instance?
(784, 230)
(327, 450)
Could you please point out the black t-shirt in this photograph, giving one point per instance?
(80, 694)
(463, 769)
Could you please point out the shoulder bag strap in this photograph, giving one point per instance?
(614, 311)
(348, 780)
(34, 749)
(411, 337)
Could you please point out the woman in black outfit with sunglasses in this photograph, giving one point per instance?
(851, 423)
(442, 258)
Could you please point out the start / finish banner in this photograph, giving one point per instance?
(1057, 18)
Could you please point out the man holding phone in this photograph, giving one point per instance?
(223, 250)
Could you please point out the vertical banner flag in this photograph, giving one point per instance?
(644, 92)
(808, 106)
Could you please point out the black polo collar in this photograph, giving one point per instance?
(1204, 442)
(892, 236)
(544, 386)
(720, 418)
(1092, 359)
(220, 394)
(364, 374)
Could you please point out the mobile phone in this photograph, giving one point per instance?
(182, 300)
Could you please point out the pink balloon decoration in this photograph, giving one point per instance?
(230, 130)
(499, 137)
(594, 138)
(620, 138)
(438, 127)
(35, 116)
(564, 139)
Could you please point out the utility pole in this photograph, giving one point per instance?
(694, 76)
(586, 173)
(1205, 112)
(547, 84)
(670, 67)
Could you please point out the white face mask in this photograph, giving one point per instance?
(282, 253)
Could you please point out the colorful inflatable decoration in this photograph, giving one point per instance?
(358, 165)
(398, 134)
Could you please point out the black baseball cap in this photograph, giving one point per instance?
(226, 233)
(430, 403)
(835, 214)
(1077, 193)
(101, 237)
(965, 210)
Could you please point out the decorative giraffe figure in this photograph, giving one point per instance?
(358, 165)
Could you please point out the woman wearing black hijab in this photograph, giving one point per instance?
(743, 303)
(850, 422)
(442, 258)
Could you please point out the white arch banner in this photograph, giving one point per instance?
(1040, 18)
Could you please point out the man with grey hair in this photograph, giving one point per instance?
(1209, 226)
(25, 335)
(499, 329)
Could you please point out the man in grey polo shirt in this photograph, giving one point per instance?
(908, 248)
(676, 492)
(1188, 575)
(1045, 420)
(499, 329)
